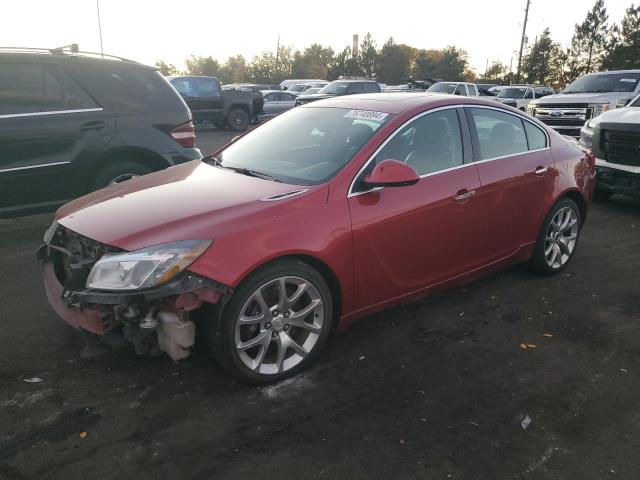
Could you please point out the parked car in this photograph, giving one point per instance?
(72, 123)
(454, 88)
(312, 90)
(338, 88)
(519, 96)
(285, 84)
(325, 214)
(254, 87)
(487, 89)
(207, 101)
(614, 138)
(585, 98)
(300, 88)
(276, 102)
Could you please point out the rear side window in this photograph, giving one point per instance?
(472, 90)
(460, 90)
(535, 136)
(356, 88)
(28, 88)
(371, 87)
(124, 87)
(206, 87)
(499, 134)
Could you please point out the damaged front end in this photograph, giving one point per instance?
(145, 295)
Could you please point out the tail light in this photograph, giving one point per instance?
(185, 135)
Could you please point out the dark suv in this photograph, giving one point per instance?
(72, 123)
(341, 87)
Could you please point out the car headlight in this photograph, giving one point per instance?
(600, 108)
(144, 268)
(531, 108)
(48, 235)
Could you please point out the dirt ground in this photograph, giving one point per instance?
(435, 390)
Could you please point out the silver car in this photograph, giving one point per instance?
(276, 102)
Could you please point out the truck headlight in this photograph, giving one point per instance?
(144, 268)
(600, 108)
(531, 108)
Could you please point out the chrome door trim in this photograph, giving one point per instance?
(15, 169)
(53, 112)
(351, 193)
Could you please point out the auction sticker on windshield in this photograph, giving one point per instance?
(366, 115)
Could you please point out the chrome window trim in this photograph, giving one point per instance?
(351, 193)
(15, 169)
(53, 112)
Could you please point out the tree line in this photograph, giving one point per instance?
(596, 45)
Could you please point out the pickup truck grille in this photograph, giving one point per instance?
(621, 147)
(566, 118)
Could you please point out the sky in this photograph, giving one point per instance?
(151, 30)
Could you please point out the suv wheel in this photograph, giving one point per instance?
(119, 172)
(275, 324)
(238, 120)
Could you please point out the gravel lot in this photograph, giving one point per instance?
(435, 390)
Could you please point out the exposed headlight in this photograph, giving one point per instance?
(144, 268)
(599, 108)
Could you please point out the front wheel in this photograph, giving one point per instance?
(276, 323)
(558, 238)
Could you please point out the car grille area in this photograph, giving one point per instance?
(621, 147)
(566, 118)
(74, 255)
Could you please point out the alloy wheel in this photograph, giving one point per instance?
(279, 325)
(561, 237)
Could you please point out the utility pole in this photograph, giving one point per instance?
(277, 57)
(99, 27)
(524, 29)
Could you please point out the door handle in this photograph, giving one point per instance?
(541, 171)
(96, 125)
(464, 196)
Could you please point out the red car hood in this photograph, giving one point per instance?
(187, 202)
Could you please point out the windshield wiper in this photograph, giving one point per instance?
(252, 173)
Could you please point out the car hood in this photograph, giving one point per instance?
(619, 115)
(564, 98)
(191, 201)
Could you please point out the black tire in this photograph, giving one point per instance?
(538, 261)
(602, 195)
(221, 335)
(119, 170)
(238, 120)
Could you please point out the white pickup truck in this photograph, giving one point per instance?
(585, 98)
(614, 139)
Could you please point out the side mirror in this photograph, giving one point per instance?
(623, 102)
(392, 173)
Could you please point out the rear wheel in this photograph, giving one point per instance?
(275, 324)
(558, 238)
(238, 120)
(119, 172)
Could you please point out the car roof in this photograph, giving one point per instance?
(609, 72)
(58, 58)
(396, 102)
(351, 80)
(276, 91)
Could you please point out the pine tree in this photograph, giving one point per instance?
(623, 48)
(368, 57)
(589, 41)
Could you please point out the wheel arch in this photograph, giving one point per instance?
(579, 199)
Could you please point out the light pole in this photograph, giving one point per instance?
(99, 27)
(524, 29)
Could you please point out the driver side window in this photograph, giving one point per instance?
(429, 144)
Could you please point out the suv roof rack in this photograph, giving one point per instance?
(69, 50)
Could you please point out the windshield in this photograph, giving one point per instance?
(512, 93)
(296, 88)
(443, 87)
(635, 102)
(304, 146)
(600, 83)
(335, 88)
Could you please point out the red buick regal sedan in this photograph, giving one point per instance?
(323, 215)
